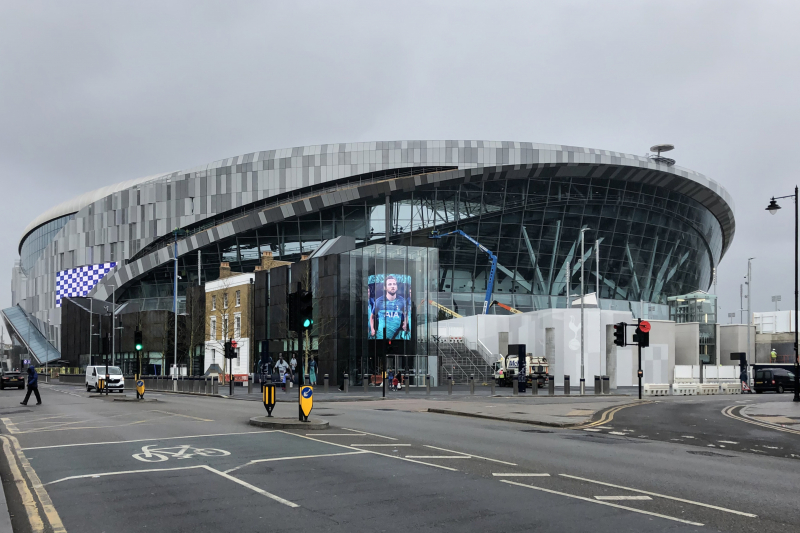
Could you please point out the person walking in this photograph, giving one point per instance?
(773, 356)
(312, 372)
(33, 387)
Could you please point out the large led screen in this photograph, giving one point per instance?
(76, 282)
(389, 306)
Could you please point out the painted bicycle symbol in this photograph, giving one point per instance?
(152, 454)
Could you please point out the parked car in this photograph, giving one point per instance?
(773, 379)
(11, 379)
(116, 381)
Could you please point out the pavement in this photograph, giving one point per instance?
(192, 463)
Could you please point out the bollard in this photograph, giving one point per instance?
(598, 387)
(449, 384)
(551, 386)
(606, 383)
(346, 383)
(428, 385)
(206, 385)
(325, 382)
(514, 387)
(250, 383)
(535, 387)
(566, 385)
(307, 380)
(407, 384)
(491, 385)
(365, 382)
(582, 386)
(214, 385)
(472, 385)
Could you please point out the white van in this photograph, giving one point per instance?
(116, 381)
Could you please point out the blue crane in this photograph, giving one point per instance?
(490, 284)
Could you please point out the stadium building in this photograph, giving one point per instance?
(652, 229)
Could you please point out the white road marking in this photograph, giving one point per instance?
(500, 474)
(616, 433)
(254, 461)
(122, 472)
(371, 451)
(438, 457)
(472, 455)
(252, 487)
(379, 445)
(590, 429)
(373, 434)
(601, 502)
(661, 496)
(336, 434)
(727, 442)
(620, 498)
(204, 467)
(687, 436)
(146, 440)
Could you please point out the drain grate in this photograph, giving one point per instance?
(709, 454)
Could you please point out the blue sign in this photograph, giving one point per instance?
(307, 392)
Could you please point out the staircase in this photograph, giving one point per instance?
(460, 361)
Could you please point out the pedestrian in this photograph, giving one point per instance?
(281, 366)
(33, 387)
(312, 372)
(293, 364)
(773, 355)
(395, 383)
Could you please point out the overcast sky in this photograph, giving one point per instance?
(93, 93)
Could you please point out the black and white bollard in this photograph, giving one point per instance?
(325, 381)
(566, 385)
(365, 381)
(346, 383)
(449, 384)
(428, 385)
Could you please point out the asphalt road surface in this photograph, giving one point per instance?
(185, 463)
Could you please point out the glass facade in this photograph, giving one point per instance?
(36, 241)
(651, 242)
(700, 307)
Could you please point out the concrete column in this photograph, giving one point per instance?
(611, 357)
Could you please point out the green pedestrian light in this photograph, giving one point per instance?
(307, 323)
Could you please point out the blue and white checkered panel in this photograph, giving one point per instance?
(79, 281)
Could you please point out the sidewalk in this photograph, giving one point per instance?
(783, 413)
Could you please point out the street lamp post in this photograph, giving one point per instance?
(773, 208)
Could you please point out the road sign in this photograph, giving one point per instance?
(269, 398)
(644, 325)
(306, 401)
(26, 361)
(139, 388)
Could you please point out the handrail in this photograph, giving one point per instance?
(483, 350)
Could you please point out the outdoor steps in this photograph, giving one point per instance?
(461, 362)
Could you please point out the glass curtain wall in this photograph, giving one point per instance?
(652, 243)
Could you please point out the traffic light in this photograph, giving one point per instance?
(137, 340)
(230, 349)
(293, 312)
(619, 334)
(642, 337)
(305, 309)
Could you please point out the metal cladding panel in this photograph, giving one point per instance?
(157, 204)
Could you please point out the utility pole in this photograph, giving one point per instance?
(583, 253)
(175, 312)
(749, 313)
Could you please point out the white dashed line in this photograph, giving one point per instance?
(620, 498)
(500, 474)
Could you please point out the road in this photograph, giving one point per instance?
(186, 463)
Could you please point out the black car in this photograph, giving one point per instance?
(773, 379)
(12, 379)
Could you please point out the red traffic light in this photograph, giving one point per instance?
(234, 345)
(644, 326)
